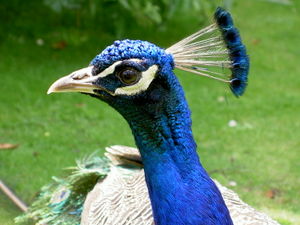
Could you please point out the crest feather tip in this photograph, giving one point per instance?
(237, 51)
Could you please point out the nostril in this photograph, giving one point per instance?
(80, 76)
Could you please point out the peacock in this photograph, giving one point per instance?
(163, 181)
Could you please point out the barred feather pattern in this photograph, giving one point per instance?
(122, 197)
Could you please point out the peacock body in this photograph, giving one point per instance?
(124, 190)
(136, 78)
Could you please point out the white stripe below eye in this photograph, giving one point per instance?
(142, 85)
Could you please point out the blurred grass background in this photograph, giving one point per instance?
(43, 40)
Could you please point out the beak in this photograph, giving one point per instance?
(79, 81)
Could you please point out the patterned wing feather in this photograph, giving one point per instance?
(121, 198)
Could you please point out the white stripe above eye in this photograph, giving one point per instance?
(142, 85)
(109, 70)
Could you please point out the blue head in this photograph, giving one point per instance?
(134, 77)
(130, 72)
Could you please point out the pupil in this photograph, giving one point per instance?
(129, 76)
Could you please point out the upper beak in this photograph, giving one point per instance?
(79, 81)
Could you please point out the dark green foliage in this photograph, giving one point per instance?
(35, 19)
(151, 12)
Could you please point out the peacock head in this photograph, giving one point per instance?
(130, 73)
(125, 73)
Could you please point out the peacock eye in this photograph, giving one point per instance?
(129, 75)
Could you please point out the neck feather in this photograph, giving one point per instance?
(180, 189)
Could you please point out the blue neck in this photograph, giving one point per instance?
(180, 189)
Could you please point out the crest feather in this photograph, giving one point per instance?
(216, 52)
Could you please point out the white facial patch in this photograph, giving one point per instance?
(142, 85)
(108, 70)
(111, 69)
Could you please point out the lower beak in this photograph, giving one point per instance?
(79, 81)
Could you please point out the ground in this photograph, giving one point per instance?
(260, 154)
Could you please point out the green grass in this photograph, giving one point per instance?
(260, 154)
